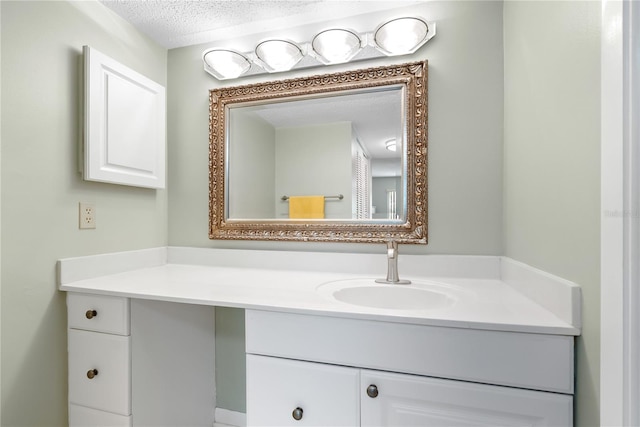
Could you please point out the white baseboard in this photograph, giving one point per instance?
(227, 418)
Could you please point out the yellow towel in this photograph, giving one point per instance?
(309, 207)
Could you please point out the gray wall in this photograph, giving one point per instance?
(465, 149)
(552, 160)
(315, 160)
(252, 181)
(41, 187)
(465, 135)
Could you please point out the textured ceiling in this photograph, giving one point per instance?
(178, 23)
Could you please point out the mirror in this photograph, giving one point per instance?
(307, 159)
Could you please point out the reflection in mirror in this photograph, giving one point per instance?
(336, 157)
(330, 146)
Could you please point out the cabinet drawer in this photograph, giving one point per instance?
(407, 400)
(81, 416)
(109, 389)
(98, 313)
(328, 395)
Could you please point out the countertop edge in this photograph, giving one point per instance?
(459, 324)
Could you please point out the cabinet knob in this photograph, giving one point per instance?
(297, 414)
(372, 391)
(91, 314)
(92, 373)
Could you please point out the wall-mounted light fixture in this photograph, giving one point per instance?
(399, 36)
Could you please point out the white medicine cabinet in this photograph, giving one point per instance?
(124, 124)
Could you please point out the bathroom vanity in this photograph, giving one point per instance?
(350, 372)
(496, 350)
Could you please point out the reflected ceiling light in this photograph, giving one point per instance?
(278, 55)
(401, 36)
(225, 64)
(336, 45)
(391, 145)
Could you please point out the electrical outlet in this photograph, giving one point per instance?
(87, 215)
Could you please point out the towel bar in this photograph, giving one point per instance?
(339, 197)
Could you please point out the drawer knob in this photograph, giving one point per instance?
(297, 414)
(91, 314)
(372, 391)
(92, 373)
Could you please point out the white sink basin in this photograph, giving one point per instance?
(367, 293)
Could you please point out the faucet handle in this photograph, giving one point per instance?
(392, 249)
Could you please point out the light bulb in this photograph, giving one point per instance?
(401, 36)
(278, 55)
(336, 45)
(226, 64)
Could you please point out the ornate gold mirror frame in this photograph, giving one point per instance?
(411, 76)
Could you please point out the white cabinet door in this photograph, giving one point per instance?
(172, 364)
(124, 126)
(323, 395)
(407, 400)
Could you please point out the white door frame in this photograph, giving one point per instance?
(620, 192)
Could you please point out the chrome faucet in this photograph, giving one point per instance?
(392, 266)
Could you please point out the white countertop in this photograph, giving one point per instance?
(487, 303)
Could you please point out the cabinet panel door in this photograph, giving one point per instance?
(406, 400)
(125, 124)
(326, 394)
(172, 364)
(108, 388)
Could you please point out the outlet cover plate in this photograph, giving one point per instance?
(87, 215)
